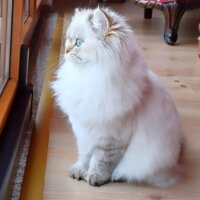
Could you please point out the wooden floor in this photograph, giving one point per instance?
(179, 68)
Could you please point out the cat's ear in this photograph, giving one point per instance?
(100, 21)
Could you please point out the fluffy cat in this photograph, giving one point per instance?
(125, 123)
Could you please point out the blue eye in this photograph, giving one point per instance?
(78, 42)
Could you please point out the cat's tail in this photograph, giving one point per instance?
(166, 178)
(171, 176)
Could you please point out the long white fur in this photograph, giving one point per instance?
(108, 92)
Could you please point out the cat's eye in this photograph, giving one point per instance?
(78, 42)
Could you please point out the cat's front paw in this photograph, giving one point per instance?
(96, 179)
(77, 172)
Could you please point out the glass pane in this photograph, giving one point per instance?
(27, 10)
(5, 40)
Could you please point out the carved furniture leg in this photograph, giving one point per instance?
(148, 13)
(199, 42)
(173, 13)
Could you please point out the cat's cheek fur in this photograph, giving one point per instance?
(117, 107)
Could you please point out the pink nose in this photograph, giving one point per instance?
(68, 49)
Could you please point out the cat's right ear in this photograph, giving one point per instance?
(100, 21)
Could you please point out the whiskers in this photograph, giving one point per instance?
(75, 57)
(56, 62)
(61, 61)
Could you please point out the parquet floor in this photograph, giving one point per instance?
(179, 68)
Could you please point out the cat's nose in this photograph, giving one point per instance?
(67, 49)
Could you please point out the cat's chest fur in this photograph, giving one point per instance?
(87, 91)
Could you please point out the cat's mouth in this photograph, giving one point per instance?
(77, 59)
(74, 56)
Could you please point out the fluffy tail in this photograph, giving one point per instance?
(166, 178)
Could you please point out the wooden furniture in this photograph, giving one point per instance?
(199, 42)
(111, 1)
(173, 11)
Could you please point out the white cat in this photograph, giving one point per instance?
(124, 120)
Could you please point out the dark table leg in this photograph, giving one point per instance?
(148, 13)
(199, 42)
(173, 13)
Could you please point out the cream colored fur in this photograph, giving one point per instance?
(124, 120)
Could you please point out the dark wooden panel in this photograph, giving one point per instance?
(11, 138)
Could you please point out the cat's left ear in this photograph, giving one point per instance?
(100, 21)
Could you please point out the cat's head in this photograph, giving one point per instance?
(96, 35)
